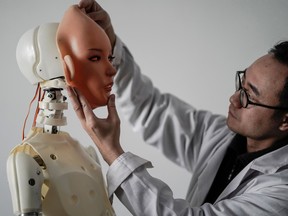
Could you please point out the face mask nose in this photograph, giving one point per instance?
(111, 71)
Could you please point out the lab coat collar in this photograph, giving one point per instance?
(266, 164)
(271, 162)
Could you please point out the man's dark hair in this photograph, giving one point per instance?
(280, 52)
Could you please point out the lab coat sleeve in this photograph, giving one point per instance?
(186, 136)
(144, 195)
(163, 120)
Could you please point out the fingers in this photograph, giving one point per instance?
(95, 12)
(89, 5)
(100, 16)
(83, 111)
(73, 97)
(86, 109)
(105, 133)
(77, 106)
(85, 3)
(112, 111)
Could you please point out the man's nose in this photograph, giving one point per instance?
(235, 100)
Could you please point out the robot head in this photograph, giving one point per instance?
(87, 54)
(37, 54)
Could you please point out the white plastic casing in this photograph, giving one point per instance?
(68, 177)
(25, 181)
(37, 54)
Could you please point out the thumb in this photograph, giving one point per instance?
(112, 111)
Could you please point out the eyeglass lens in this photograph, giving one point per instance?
(238, 80)
(243, 98)
(238, 85)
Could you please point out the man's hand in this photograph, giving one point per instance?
(105, 133)
(99, 15)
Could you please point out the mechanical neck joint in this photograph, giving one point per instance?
(51, 107)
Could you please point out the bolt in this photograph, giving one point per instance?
(31, 182)
(50, 95)
(53, 157)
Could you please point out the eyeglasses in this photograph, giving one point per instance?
(244, 97)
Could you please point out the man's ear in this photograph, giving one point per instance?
(69, 70)
(284, 124)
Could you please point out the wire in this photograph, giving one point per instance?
(38, 92)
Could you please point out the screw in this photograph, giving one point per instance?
(31, 182)
(50, 95)
(53, 157)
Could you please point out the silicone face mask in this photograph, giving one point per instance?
(86, 52)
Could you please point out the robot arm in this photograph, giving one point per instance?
(25, 181)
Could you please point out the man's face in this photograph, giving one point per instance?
(263, 81)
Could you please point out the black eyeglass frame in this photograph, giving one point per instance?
(243, 93)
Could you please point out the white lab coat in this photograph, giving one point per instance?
(195, 140)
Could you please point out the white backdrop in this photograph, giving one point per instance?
(190, 48)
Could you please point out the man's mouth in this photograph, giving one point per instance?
(231, 112)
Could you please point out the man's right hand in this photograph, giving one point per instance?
(99, 15)
(105, 132)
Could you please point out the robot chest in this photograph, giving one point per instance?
(74, 183)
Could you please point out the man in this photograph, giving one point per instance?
(239, 164)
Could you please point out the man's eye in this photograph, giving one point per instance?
(250, 97)
(95, 58)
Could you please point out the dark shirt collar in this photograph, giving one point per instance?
(238, 147)
(235, 159)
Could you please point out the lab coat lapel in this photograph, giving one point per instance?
(205, 180)
(268, 163)
(235, 182)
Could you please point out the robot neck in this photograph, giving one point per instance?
(51, 108)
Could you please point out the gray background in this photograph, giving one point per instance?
(190, 48)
